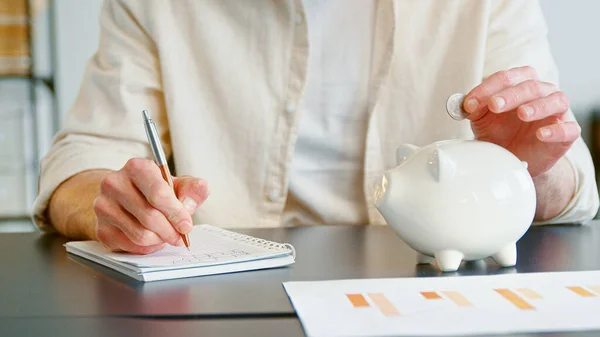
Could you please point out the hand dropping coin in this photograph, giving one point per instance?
(454, 107)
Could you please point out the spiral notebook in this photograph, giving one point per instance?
(213, 251)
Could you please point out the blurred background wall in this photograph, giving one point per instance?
(77, 39)
(573, 34)
(65, 35)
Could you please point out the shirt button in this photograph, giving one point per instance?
(298, 18)
(274, 195)
(290, 108)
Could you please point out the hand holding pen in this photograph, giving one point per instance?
(161, 161)
(139, 212)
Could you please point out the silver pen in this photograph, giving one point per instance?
(160, 159)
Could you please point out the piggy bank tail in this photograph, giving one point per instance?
(379, 191)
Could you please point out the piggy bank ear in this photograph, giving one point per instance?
(405, 151)
(440, 165)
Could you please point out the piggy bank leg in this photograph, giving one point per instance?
(424, 259)
(507, 256)
(448, 260)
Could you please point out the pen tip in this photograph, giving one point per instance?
(146, 114)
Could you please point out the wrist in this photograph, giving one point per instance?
(554, 190)
(70, 209)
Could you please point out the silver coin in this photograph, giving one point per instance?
(454, 107)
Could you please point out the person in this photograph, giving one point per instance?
(284, 113)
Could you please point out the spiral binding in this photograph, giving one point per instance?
(250, 239)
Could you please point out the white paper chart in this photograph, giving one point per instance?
(443, 306)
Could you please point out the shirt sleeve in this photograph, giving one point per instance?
(104, 127)
(517, 36)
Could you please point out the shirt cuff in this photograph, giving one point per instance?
(63, 163)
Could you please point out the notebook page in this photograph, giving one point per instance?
(208, 247)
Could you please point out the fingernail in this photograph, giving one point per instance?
(472, 105)
(189, 204)
(500, 102)
(527, 111)
(546, 133)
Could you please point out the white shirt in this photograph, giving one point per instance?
(217, 77)
(327, 169)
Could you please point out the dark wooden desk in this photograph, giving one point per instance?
(133, 327)
(148, 327)
(39, 280)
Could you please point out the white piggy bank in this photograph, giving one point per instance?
(458, 200)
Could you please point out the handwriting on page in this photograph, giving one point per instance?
(211, 257)
(207, 248)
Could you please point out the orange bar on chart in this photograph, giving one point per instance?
(431, 295)
(596, 289)
(358, 300)
(530, 294)
(581, 292)
(515, 299)
(384, 305)
(457, 298)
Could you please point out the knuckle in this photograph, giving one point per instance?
(196, 186)
(177, 216)
(505, 78)
(160, 197)
(135, 165)
(109, 183)
(204, 188)
(102, 234)
(564, 100)
(542, 106)
(205, 185)
(535, 88)
(530, 71)
(142, 237)
(101, 207)
(153, 216)
(483, 90)
(199, 184)
(552, 87)
(172, 237)
(512, 96)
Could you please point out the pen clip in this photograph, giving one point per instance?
(154, 139)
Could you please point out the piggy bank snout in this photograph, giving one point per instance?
(382, 184)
